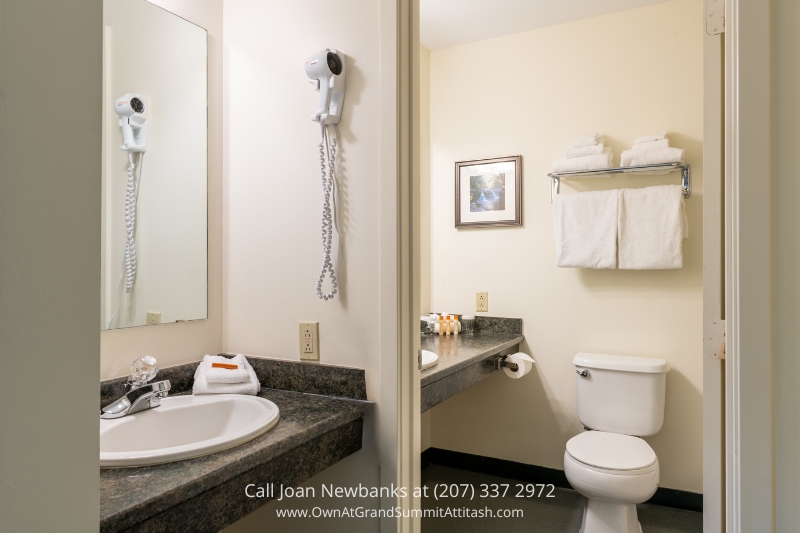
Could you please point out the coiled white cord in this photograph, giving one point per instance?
(131, 195)
(128, 267)
(328, 185)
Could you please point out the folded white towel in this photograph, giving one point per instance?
(663, 143)
(587, 162)
(651, 156)
(225, 375)
(585, 140)
(650, 138)
(586, 229)
(652, 225)
(202, 386)
(586, 150)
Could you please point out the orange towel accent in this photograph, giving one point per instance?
(223, 365)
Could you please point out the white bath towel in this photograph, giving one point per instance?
(651, 156)
(663, 143)
(586, 229)
(585, 140)
(587, 162)
(226, 375)
(202, 386)
(586, 150)
(652, 225)
(650, 138)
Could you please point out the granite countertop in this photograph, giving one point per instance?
(457, 352)
(130, 496)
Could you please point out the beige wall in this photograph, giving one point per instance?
(174, 344)
(425, 180)
(621, 75)
(50, 81)
(786, 256)
(273, 202)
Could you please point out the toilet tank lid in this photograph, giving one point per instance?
(622, 363)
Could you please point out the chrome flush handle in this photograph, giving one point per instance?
(583, 373)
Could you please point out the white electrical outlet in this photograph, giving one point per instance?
(153, 318)
(309, 341)
(482, 302)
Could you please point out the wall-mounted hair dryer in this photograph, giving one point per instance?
(326, 70)
(132, 111)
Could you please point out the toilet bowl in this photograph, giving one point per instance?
(615, 472)
(619, 397)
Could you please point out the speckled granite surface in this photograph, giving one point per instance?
(463, 361)
(496, 324)
(314, 432)
(312, 378)
(457, 352)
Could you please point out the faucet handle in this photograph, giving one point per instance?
(143, 370)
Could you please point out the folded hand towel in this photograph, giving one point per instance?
(586, 229)
(586, 150)
(202, 386)
(225, 375)
(651, 226)
(650, 138)
(663, 143)
(651, 156)
(587, 162)
(586, 140)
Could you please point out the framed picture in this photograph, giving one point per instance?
(489, 192)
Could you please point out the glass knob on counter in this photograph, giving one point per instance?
(143, 369)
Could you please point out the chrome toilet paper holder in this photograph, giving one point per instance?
(502, 362)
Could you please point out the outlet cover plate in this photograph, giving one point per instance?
(482, 302)
(153, 318)
(309, 341)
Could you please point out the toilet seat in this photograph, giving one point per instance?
(612, 453)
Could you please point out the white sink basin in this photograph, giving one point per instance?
(184, 427)
(429, 359)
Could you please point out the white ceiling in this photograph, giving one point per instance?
(447, 23)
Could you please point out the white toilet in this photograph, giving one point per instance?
(619, 399)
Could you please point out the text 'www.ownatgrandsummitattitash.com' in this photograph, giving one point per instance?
(440, 492)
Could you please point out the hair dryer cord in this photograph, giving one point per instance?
(328, 184)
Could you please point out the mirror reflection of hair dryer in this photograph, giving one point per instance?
(132, 109)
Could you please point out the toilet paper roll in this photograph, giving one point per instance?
(524, 365)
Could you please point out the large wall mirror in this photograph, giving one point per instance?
(155, 219)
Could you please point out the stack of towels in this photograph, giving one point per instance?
(637, 229)
(222, 375)
(586, 153)
(652, 150)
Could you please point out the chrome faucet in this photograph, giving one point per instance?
(139, 394)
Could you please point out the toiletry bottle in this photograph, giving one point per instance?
(441, 324)
(455, 324)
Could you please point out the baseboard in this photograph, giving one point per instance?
(678, 499)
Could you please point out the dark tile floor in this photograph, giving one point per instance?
(560, 514)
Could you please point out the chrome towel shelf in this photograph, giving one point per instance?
(686, 175)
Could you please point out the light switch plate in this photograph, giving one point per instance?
(153, 318)
(309, 341)
(482, 302)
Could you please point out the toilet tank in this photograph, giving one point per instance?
(621, 394)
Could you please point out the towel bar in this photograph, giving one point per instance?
(686, 175)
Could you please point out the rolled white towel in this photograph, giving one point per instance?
(585, 140)
(651, 156)
(225, 375)
(663, 143)
(586, 150)
(650, 138)
(587, 162)
(202, 386)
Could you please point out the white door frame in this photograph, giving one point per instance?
(749, 416)
(399, 260)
